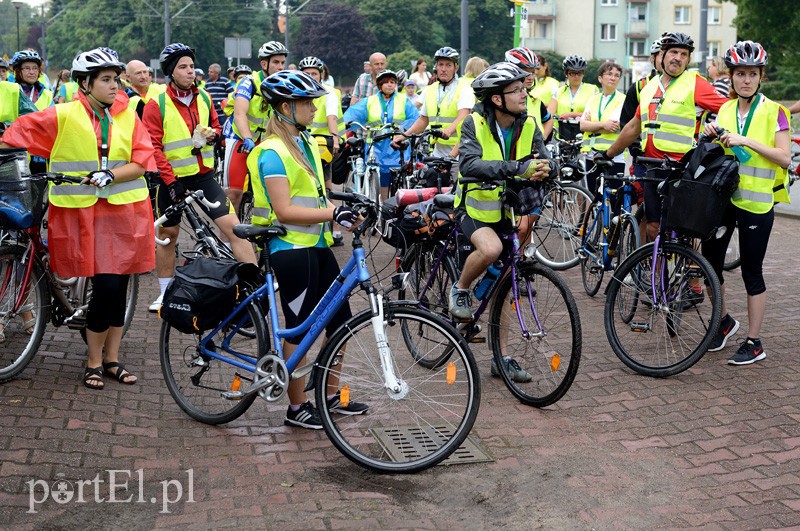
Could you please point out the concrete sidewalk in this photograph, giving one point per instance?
(716, 446)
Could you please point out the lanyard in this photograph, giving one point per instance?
(385, 106)
(743, 130)
(306, 149)
(601, 107)
(573, 96)
(660, 101)
(103, 138)
(442, 93)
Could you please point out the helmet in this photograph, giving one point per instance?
(199, 72)
(575, 63)
(310, 62)
(94, 60)
(522, 57)
(446, 53)
(386, 74)
(170, 55)
(268, 49)
(24, 56)
(655, 47)
(676, 39)
(109, 51)
(402, 75)
(494, 78)
(290, 85)
(3, 63)
(242, 69)
(746, 53)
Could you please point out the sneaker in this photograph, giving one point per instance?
(692, 298)
(460, 303)
(727, 328)
(517, 373)
(305, 417)
(338, 241)
(748, 353)
(156, 305)
(352, 408)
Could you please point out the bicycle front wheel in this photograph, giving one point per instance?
(666, 331)
(557, 231)
(196, 380)
(410, 428)
(22, 324)
(537, 350)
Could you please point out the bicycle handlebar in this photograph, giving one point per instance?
(197, 195)
(57, 178)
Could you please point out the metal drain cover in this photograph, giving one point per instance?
(408, 443)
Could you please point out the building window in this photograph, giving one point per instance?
(683, 14)
(638, 48)
(609, 2)
(638, 12)
(714, 48)
(541, 30)
(608, 32)
(715, 15)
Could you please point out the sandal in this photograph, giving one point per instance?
(28, 324)
(93, 378)
(122, 375)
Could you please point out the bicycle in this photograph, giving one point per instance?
(608, 237)
(27, 284)
(534, 325)
(365, 175)
(421, 170)
(417, 415)
(655, 324)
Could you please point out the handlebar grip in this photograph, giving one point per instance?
(344, 196)
(603, 163)
(650, 160)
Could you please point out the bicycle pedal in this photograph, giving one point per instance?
(640, 327)
(477, 340)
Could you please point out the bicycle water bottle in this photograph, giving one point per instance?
(742, 155)
(485, 285)
(360, 166)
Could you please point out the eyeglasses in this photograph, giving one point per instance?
(613, 75)
(571, 74)
(30, 68)
(519, 90)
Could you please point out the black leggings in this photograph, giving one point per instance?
(754, 231)
(304, 276)
(107, 305)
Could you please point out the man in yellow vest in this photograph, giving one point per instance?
(183, 126)
(141, 88)
(666, 117)
(447, 102)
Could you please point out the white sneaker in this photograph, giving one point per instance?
(153, 308)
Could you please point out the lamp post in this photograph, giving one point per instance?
(17, 4)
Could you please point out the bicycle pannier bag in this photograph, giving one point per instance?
(204, 292)
(17, 199)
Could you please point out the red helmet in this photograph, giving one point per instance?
(746, 53)
(522, 57)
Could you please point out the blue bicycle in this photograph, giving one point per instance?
(418, 414)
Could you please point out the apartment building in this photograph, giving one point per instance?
(622, 30)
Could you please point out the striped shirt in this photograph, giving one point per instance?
(364, 87)
(219, 90)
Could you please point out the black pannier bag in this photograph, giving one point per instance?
(697, 201)
(205, 291)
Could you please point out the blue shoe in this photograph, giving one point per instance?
(515, 372)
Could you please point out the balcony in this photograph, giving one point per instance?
(539, 43)
(541, 8)
(638, 27)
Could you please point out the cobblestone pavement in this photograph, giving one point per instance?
(716, 446)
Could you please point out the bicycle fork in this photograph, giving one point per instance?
(396, 387)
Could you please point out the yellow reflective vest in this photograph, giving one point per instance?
(75, 153)
(566, 103)
(762, 183)
(534, 106)
(444, 112)
(44, 100)
(544, 88)
(304, 190)
(256, 118)
(319, 126)
(601, 141)
(177, 140)
(485, 205)
(673, 128)
(9, 101)
(375, 110)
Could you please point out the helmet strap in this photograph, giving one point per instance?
(293, 119)
(102, 105)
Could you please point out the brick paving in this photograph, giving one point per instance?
(715, 447)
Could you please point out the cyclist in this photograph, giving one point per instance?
(3, 69)
(448, 101)
(237, 74)
(198, 78)
(102, 228)
(575, 94)
(494, 136)
(287, 180)
(762, 129)
(250, 115)
(27, 66)
(538, 101)
(13, 102)
(141, 90)
(544, 83)
(183, 126)
(419, 74)
(386, 107)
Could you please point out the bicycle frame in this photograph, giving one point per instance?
(604, 216)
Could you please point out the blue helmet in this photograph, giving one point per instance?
(290, 85)
(170, 55)
(24, 56)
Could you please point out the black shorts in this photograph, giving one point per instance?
(211, 189)
(469, 226)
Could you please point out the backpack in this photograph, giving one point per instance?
(204, 292)
(708, 163)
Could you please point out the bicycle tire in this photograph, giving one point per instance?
(663, 338)
(245, 212)
(556, 232)
(627, 243)
(552, 358)
(196, 381)
(374, 186)
(19, 347)
(406, 431)
(592, 262)
(733, 258)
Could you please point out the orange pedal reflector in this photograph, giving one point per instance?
(555, 362)
(236, 383)
(344, 395)
(451, 373)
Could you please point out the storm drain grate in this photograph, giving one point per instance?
(408, 443)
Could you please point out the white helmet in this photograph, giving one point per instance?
(98, 59)
(268, 49)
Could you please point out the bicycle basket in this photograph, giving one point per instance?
(568, 129)
(694, 208)
(18, 192)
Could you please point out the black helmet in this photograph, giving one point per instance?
(493, 79)
(574, 63)
(676, 39)
(746, 53)
(446, 53)
(242, 69)
(171, 54)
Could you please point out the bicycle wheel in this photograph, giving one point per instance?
(557, 231)
(667, 334)
(420, 424)
(130, 302)
(245, 212)
(196, 381)
(627, 243)
(592, 263)
(19, 346)
(547, 353)
(732, 257)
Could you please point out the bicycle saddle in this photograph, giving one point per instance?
(258, 232)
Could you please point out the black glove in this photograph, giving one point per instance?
(601, 158)
(345, 216)
(101, 178)
(176, 190)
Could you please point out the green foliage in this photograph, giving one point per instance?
(8, 27)
(400, 60)
(554, 61)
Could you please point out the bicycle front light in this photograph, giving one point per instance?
(529, 251)
(566, 171)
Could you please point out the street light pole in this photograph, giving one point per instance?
(17, 5)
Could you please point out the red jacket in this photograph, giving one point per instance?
(152, 121)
